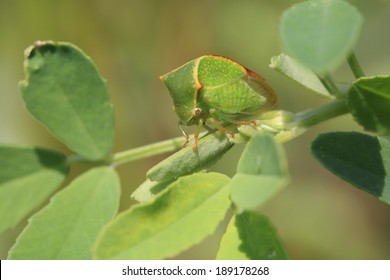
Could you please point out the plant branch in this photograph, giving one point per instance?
(325, 112)
(290, 126)
(355, 66)
(153, 149)
(149, 150)
(330, 85)
(287, 126)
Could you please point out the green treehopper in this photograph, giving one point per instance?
(215, 90)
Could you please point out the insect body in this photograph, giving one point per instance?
(216, 90)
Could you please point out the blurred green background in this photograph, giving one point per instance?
(133, 42)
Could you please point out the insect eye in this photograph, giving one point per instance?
(196, 112)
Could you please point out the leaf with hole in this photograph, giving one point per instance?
(63, 90)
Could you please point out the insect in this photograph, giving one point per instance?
(215, 90)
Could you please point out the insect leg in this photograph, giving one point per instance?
(185, 134)
(196, 137)
(245, 123)
(216, 116)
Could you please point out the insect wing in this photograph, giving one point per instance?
(231, 88)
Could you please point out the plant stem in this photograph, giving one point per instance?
(148, 150)
(300, 122)
(325, 112)
(355, 66)
(329, 84)
(286, 126)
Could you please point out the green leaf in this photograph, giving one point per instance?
(369, 103)
(181, 216)
(230, 243)
(68, 226)
(251, 236)
(362, 160)
(259, 238)
(291, 68)
(27, 177)
(187, 161)
(320, 33)
(65, 92)
(261, 173)
(252, 191)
